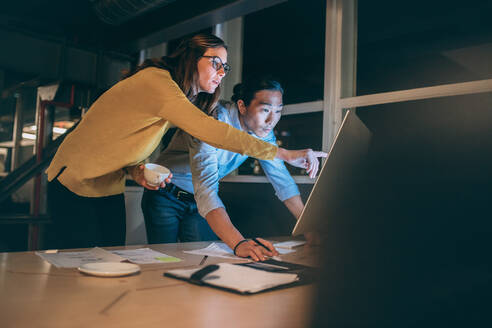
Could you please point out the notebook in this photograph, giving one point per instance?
(247, 278)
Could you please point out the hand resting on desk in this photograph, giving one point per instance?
(256, 251)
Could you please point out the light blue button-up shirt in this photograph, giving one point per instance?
(198, 167)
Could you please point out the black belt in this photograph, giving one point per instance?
(179, 193)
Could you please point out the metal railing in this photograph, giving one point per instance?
(30, 168)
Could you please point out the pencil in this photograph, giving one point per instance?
(261, 244)
(203, 260)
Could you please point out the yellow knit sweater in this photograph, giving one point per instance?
(124, 126)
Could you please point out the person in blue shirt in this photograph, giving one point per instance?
(189, 209)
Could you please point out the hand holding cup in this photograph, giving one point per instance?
(151, 176)
(155, 174)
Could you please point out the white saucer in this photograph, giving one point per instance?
(109, 269)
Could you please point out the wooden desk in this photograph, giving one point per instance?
(33, 293)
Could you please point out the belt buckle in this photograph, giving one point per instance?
(180, 192)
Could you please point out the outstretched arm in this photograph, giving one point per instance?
(295, 205)
(305, 158)
(177, 109)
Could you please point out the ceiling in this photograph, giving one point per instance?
(76, 22)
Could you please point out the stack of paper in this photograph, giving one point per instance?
(76, 259)
(96, 255)
(214, 249)
(222, 250)
(289, 244)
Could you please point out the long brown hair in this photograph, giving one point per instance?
(182, 64)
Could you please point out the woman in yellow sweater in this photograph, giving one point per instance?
(124, 126)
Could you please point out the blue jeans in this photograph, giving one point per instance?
(170, 220)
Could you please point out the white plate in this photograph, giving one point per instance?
(109, 269)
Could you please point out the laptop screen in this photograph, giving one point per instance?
(341, 166)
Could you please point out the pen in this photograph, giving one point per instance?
(203, 260)
(261, 244)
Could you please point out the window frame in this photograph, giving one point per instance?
(341, 42)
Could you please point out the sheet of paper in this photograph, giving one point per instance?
(215, 250)
(289, 244)
(283, 251)
(222, 250)
(145, 256)
(76, 259)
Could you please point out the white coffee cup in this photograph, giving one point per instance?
(154, 174)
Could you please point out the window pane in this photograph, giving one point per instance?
(445, 139)
(422, 43)
(287, 41)
(429, 182)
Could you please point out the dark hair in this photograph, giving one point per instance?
(246, 91)
(182, 64)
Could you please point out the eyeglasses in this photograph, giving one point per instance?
(218, 64)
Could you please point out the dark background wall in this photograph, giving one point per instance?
(256, 211)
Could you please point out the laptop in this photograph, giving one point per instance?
(346, 156)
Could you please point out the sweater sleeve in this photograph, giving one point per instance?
(178, 110)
